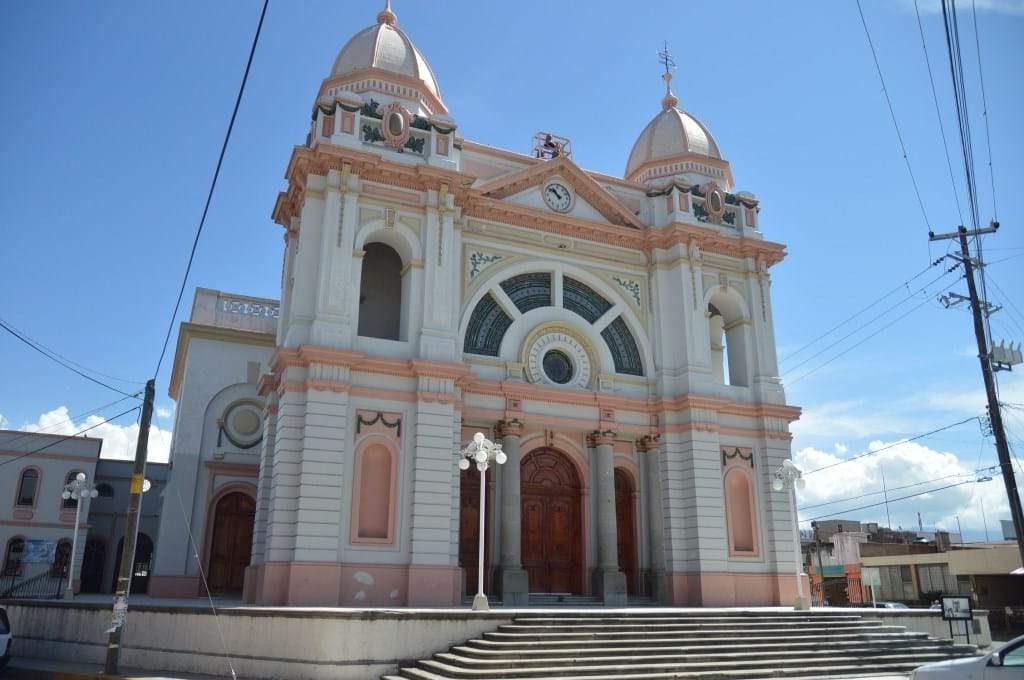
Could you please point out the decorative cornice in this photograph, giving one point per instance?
(189, 330)
(584, 185)
(648, 443)
(509, 428)
(601, 438)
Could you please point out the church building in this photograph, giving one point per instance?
(614, 334)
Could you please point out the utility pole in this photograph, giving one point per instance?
(978, 308)
(131, 531)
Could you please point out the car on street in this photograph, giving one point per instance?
(1003, 663)
(5, 638)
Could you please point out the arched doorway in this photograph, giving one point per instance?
(552, 527)
(231, 542)
(469, 527)
(141, 569)
(625, 528)
(92, 564)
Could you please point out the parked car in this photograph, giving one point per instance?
(5, 638)
(1004, 663)
(890, 605)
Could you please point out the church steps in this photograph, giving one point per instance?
(469, 656)
(721, 645)
(873, 638)
(682, 627)
(536, 636)
(739, 669)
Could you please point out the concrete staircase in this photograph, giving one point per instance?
(723, 644)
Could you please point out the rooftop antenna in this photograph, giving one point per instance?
(666, 60)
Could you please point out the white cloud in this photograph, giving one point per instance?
(3, 421)
(163, 413)
(849, 420)
(118, 439)
(903, 465)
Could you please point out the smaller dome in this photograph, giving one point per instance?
(672, 132)
(384, 46)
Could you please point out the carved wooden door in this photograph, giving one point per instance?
(231, 543)
(625, 521)
(552, 530)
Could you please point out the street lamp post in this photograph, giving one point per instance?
(481, 451)
(79, 489)
(789, 477)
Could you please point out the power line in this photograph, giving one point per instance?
(872, 320)
(890, 446)
(58, 360)
(892, 113)
(938, 114)
(891, 500)
(899, 488)
(858, 343)
(70, 436)
(213, 186)
(984, 112)
(72, 419)
(1013, 312)
(869, 306)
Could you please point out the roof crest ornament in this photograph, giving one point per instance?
(665, 58)
(386, 16)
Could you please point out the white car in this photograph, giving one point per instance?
(5, 639)
(1005, 663)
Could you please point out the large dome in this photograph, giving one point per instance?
(385, 47)
(671, 134)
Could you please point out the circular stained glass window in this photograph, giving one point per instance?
(558, 367)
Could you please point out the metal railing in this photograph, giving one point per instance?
(49, 585)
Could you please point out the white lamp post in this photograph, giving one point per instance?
(481, 451)
(789, 477)
(79, 489)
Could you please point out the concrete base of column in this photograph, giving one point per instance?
(659, 586)
(515, 587)
(610, 584)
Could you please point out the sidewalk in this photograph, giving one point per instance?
(21, 668)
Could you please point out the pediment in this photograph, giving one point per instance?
(591, 201)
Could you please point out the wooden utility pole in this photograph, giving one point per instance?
(131, 532)
(978, 309)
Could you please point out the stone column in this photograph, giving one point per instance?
(649, 447)
(515, 587)
(610, 582)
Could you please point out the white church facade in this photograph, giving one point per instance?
(614, 334)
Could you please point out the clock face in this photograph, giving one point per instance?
(558, 197)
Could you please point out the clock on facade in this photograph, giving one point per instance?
(558, 197)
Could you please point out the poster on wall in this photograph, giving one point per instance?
(39, 551)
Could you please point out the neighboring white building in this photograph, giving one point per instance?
(614, 334)
(36, 524)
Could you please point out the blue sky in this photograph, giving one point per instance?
(114, 113)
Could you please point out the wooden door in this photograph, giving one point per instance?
(469, 528)
(625, 522)
(231, 543)
(93, 562)
(552, 531)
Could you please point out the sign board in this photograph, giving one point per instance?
(39, 551)
(956, 608)
(871, 576)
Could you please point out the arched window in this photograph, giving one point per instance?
(12, 556)
(372, 499)
(104, 490)
(28, 484)
(73, 501)
(740, 509)
(61, 558)
(727, 331)
(381, 293)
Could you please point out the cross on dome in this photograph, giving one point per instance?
(386, 16)
(665, 58)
